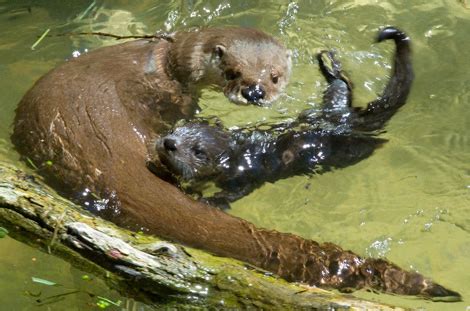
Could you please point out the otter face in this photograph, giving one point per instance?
(254, 71)
(193, 151)
(258, 79)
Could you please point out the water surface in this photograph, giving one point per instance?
(409, 202)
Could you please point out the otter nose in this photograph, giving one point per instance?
(253, 93)
(169, 144)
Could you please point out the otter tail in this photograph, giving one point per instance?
(378, 112)
(382, 275)
(346, 271)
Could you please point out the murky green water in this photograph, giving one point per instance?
(19, 263)
(409, 202)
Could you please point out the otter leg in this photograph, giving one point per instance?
(338, 96)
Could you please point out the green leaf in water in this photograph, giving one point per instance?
(108, 301)
(40, 38)
(102, 304)
(42, 281)
(3, 232)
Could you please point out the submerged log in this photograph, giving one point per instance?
(144, 266)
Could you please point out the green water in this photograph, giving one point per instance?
(409, 202)
(19, 263)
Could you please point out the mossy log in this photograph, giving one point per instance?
(144, 266)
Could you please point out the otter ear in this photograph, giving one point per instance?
(219, 51)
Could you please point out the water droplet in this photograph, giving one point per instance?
(76, 54)
(427, 227)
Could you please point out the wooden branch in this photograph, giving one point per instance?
(144, 266)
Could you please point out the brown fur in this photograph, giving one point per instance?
(251, 57)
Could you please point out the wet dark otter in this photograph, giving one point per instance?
(239, 162)
(92, 116)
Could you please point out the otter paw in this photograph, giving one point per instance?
(331, 67)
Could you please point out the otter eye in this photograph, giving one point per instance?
(199, 153)
(232, 75)
(275, 79)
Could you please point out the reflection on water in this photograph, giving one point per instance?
(409, 202)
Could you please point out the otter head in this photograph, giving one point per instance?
(249, 65)
(254, 66)
(193, 151)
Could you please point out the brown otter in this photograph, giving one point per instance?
(255, 67)
(92, 117)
